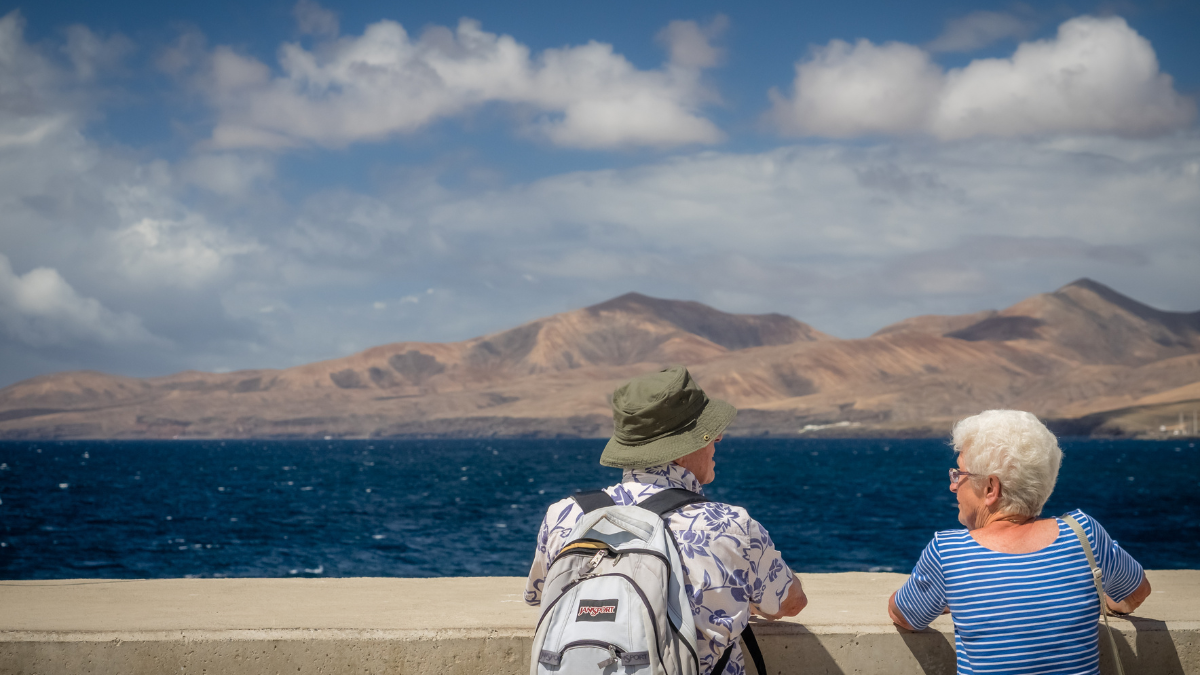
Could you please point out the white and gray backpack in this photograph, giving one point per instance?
(614, 600)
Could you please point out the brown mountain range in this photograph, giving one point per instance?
(1086, 357)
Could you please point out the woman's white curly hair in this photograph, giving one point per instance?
(1016, 448)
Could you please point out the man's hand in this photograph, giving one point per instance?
(792, 605)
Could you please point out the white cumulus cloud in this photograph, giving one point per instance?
(226, 174)
(690, 44)
(40, 309)
(90, 53)
(161, 242)
(846, 90)
(1097, 75)
(313, 19)
(384, 82)
(980, 29)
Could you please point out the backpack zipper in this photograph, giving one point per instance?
(616, 553)
(612, 658)
(593, 563)
(615, 653)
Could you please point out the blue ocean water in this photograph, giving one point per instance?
(417, 508)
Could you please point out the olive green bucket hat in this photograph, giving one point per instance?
(660, 417)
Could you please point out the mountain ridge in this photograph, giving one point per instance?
(1071, 353)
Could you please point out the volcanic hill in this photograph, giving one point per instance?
(1085, 357)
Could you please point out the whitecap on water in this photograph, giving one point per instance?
(64, 486)
(319, 569)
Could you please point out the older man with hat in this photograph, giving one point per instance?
(665, 434)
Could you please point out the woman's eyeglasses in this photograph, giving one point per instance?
(957, 474)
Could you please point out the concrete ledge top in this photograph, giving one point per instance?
(389, 607)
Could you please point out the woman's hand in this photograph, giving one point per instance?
(1132, 601)
(897, 617)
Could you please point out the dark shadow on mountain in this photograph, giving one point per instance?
(1178, 322)
(1000, 329)
(731, 331)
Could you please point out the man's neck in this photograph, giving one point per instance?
(664, 475)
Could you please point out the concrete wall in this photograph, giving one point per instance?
(472, 625)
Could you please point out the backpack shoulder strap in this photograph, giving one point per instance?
(668, 500)
(756, 654)
(752, 648)
(592, 499)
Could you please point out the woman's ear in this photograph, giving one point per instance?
(992, 494)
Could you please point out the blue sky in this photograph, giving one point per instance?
(233, 185)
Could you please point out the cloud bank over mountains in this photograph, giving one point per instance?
(369, 87)
(1096, 76)
(1078, 158)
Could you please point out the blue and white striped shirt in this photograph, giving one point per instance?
(1019, 612)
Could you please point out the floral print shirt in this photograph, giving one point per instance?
(728, 559)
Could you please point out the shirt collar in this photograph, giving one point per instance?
(665, 476)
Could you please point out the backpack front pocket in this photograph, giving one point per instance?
(601, 625)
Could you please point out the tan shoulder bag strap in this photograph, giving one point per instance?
(1098, 578)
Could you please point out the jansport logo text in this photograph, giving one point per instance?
(597, 610)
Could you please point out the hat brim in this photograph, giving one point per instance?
(717, 415)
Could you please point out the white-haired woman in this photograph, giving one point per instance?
(1018, 587)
